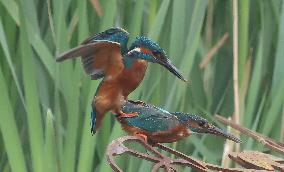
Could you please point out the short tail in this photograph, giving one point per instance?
(93, 121)
(96, 120)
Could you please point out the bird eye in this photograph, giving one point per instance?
(157, 54)
(201, 123)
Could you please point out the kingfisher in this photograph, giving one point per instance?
(156, 125)
(106, 55)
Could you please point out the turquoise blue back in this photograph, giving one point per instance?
(150, 118)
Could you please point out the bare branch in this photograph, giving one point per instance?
(97, 6)
(117, 148)
(235, 62)
(274, 145)
(252, 161)
(213, 51)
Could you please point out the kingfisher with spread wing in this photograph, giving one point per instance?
(105, 55)
(156, 125)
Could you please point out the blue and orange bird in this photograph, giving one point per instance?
(156, 125)
(105, 55)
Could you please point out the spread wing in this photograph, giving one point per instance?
(111, 34)
(99, 58)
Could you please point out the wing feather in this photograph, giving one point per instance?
(150, 118)
(99, 59)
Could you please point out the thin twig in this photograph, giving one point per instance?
(245, 82)
(235, 62)
(161, 161)
(228, 147)
(72, 25)
(197, 163)
(282, 126)
(273, 145)
(209, 24)
(213, 51)
(50, 19)
(236, 116)
(97, 6)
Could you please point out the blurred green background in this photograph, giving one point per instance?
(45, 106)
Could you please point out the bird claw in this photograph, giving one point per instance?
(144, 137)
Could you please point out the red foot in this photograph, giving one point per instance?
(144, 137)
(127, 115)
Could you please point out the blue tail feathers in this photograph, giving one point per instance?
(93, 121)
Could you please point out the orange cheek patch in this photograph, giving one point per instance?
(193, 124)
(145, 50)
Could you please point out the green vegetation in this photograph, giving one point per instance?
(45, 106)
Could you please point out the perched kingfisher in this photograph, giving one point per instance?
(156, 125)
(105, 55)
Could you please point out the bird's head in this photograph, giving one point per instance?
(114, 34)
(145, 48)
(197, 124)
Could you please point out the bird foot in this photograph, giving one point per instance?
(127, 115)
(144, 137)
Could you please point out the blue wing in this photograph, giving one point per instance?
(114, 34)
(97, 51)
(150, 118)
(97, 57)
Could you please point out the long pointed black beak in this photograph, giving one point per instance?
(169, 65)
(219, 132)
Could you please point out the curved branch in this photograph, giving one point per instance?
(117, 148)
(274, 145)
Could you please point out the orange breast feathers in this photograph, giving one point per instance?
(114, 90)
(169, 136)
(109, 96)
(131, 78)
